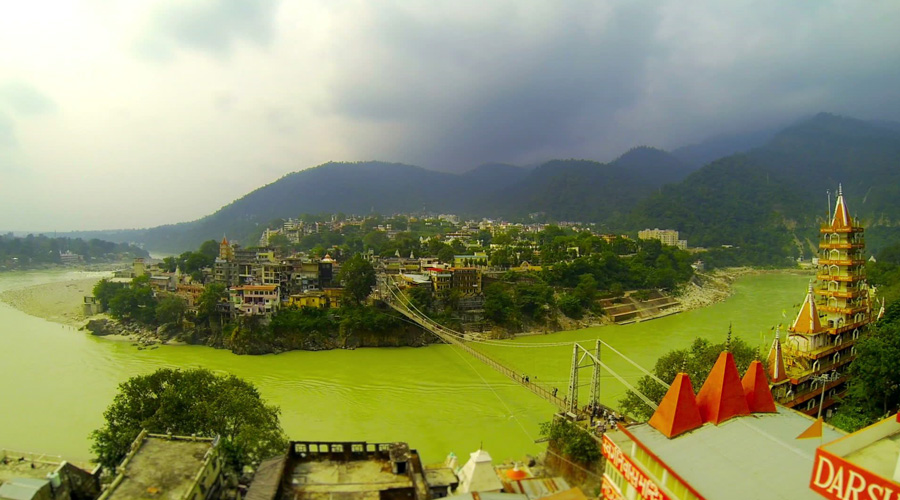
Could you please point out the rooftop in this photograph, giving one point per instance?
(875, 448)
(357, 479)
(13, 464)
(756, 456)
(162, 468)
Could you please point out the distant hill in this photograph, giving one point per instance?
(721, 146)
(563, 189)
(775, 195)
(768, 198)
(588, 191)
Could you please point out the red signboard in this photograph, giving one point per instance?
(833, 477)
(645, 486)
(609, 491)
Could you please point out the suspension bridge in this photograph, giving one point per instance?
(582, 358)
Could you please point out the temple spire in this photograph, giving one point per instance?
(841, 218)
(808, 318)
(776, 359)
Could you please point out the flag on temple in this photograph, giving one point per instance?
(814, 430)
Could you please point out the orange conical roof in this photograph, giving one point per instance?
(722, 395)
(224, 240)
(776, 360)
(841, 218)
(756, 389)
(678, 411)
(808, 318)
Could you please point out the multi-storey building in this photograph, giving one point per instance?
(666, 236)
(821, 341)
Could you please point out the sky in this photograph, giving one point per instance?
(129, 114)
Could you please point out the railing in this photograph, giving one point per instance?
(814, 391)
(826, 228)
(843, 310)
(841, 262)
(841, 246)
(843, 294)
(842, 278)
(820, 352)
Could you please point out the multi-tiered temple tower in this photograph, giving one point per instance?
(821, 340)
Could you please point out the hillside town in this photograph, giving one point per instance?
(458, 260)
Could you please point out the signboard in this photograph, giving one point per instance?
(609, 491)
(833, 477)
(636, 477)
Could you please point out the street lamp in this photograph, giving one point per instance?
(824, 379)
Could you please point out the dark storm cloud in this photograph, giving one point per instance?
(500, 82)
(213, 26)
(472, 95)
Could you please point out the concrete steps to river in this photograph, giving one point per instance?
(629, 309)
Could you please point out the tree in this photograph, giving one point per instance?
(376, 240)
(445, 254)
(134, 302)
(195, 401)
(498, 304)
(874, 388)
(358, 277)
(697, 361)
(571, 440)
(208, 302)
(209, 249)
(169, 264)
(105, 290)
(280, 242)
(171, 309)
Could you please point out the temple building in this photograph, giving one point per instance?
(810, 368)
(729, 441)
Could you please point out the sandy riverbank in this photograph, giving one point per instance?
(59, 302)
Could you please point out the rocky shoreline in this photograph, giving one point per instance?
(60, 302)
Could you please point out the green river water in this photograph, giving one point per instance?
(55, 382)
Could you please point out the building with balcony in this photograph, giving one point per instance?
(665, 236)
(811, 365)
(254, 300)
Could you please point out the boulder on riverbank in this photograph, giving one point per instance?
(102, 327)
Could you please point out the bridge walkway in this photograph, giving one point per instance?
(445, 335)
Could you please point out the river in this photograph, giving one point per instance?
(55, 382)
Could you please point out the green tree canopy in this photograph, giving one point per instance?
(171, 309)
(874, 389)
(185, 402)
(358, 277)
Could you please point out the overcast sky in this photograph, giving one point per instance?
(123, 114)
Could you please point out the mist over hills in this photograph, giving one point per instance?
(767, 190)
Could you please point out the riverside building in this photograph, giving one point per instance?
(810, 369)
(730, 441)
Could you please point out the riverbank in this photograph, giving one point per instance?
(59, 302)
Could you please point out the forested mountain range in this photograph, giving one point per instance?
(560, 189)
(766, 199)
(776, 195)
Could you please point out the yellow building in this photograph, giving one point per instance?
(316, 300)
